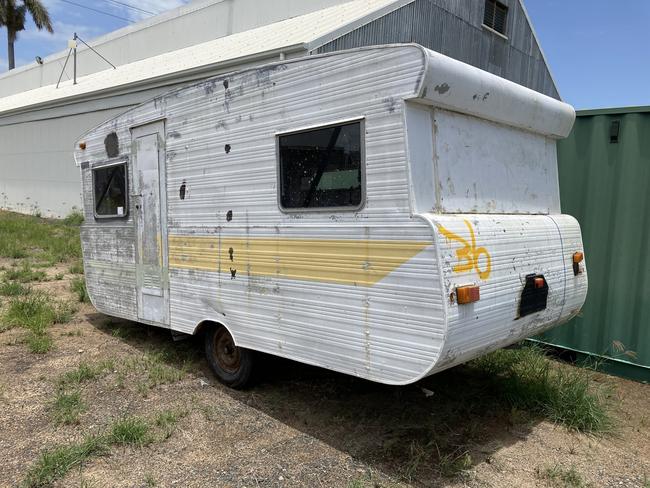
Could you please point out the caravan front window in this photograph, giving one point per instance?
(322, 168)
(110, 190)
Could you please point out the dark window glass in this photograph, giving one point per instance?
(495, 15)
(109, 188)
(321, 167)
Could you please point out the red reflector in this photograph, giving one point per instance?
(539, 282)
(467, 294)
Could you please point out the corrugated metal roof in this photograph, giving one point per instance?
(613, 111)
(306, 32)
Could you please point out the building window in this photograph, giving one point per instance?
(322, 168)
(495, 16)
(110, 190)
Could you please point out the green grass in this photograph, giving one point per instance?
(76, 267)
(13, 289)
(85, 372)
(39, 342)
(25, 274)
(74, 218)
(158, 372)
(131, 431)
(527, 380)
(55, 463)
(36, 313)
(166, 420)
(67, 407)
(78, 287)
(43, 239)
(561, 477)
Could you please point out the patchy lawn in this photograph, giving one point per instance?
(86, 400)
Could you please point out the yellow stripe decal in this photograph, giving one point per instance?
(361, 262)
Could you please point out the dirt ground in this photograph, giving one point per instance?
(298, 426)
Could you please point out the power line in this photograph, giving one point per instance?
(133, 7)
(98, 11)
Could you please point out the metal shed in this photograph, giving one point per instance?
(604, 169)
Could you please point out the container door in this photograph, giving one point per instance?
(150, 206)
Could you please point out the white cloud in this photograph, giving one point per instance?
(63, 31)
(146, 7)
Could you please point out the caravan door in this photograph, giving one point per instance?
(150, 206)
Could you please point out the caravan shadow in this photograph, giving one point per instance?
(425, 433)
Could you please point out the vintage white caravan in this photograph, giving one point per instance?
(386, 212)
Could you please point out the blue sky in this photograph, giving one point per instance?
(69, 18)
(597, 49)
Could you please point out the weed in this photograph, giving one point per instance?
(78, 287)
(63, 312)
(55, 463)
(24, 274)
(149, 480)
(39, 342)
(454, 463)
(59, 276)
(158, 372)
(47, 239)
(561, 477)
(528, 381)
(76, 267)
(85, 372)
(167, 420)
(357, 483)
(131, 430)
(74, 218)
(33, 312)
(67, 407)
(13, 289)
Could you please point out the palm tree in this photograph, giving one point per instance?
(12, 16)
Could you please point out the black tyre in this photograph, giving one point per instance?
(232, 365)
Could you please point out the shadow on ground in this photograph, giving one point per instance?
(437, 428)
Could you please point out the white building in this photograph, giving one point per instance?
(40, 122)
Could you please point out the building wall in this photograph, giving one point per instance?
(455, 28)
(36, 168)
(197, 22)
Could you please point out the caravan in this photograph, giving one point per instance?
(386, 212)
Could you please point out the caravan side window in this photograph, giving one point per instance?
(322, 168)
(110, 190)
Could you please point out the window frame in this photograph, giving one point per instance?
(362, 166)
(121, 162)
(503, 34)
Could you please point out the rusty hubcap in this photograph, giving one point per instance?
(226, 352)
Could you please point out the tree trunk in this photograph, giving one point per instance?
(11, 36)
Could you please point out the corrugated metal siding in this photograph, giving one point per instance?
(454, 28)
(605, 186)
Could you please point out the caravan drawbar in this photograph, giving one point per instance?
(386, 212)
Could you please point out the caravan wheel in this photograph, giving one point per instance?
(231, 364)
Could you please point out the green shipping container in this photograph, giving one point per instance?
(604, 168)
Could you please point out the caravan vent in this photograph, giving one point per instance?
(495, 16)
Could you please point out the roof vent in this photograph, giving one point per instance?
(495, 16)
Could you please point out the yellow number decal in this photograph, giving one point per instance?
(469, 254)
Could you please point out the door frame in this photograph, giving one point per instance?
(157, 127)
